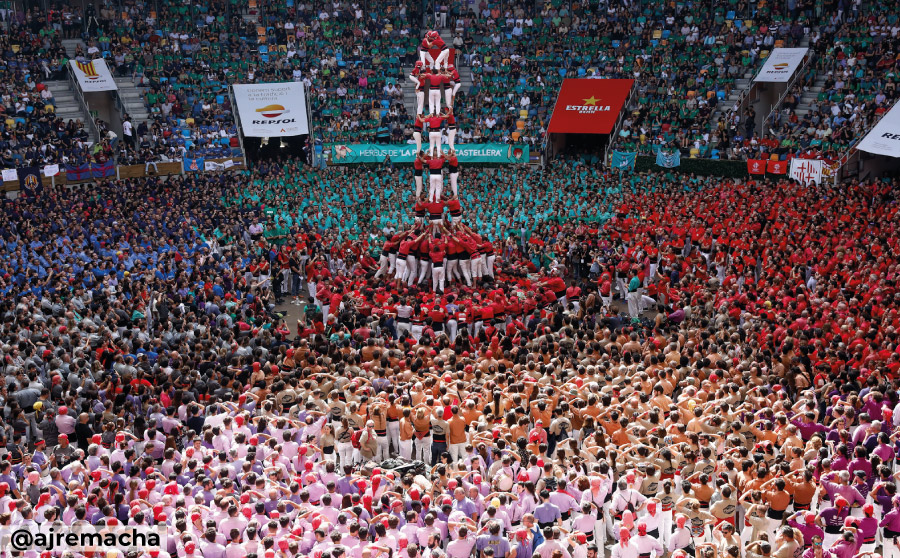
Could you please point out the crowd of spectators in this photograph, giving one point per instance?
(30, 131)
(185, 56)
(853, 60)
(354, 60)
(749, 411)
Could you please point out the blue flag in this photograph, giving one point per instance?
(103, 170)
(30, 181)
(623, 161)
(668, 159)
(78, 172)
(194, 165)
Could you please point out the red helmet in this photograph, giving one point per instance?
(432, 35)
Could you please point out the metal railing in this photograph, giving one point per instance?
(728, 114)
(801, 71)
(851, 150)
(82, 103)
(615, 133)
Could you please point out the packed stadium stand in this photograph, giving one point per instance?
(394, 335)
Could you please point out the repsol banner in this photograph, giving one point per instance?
(272, 110)
(347, 153)
(884, 138)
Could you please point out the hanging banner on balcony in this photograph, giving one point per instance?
(272, 110)
(884, 138)
(781, 65)
(93, 76)
(806, 170)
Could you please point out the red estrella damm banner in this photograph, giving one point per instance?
(589, 106)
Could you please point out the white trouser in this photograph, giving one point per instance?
(383, 451)
(476, 266)
(418, 185)
(311, 285)
(828, 540)
(424, 268)
(451, 137)
(772, 526)
(466, 267)
(383, 265)
(392, 258)
(454, 179)
(434, 100)
(451, 329)
(457, 452)
(400, 271)
(435, 186)
(406, 447)
(325, 309)
(622, 287)
(453, 273)
(345, 452)
(600, 532)
(416, 332)
(422, 449)
(607, 520)
(633, 304)
(890, 548)
(411, 268)
(665, 527)
(420, 101)
(434, 142)
(426, 58)
(437, 278)
(448, 94)
(489, 265)
(393, 428)
(417, 135)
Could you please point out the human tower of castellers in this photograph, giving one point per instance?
(445, 249)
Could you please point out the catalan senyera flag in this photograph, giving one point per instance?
(93, 76)
(88, 69)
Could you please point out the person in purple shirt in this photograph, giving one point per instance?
(463, 504)
(807, 527)
(841, 488)
(816, 550)
(345, 484)
(547, 514)
(867, 528)
(883, 448)
(862, 430)
(890, 530)
(841, 459)
(885, 489)
(873, 404)
(832, 519)
(845, 546)
(808, 426)
(524, 547)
